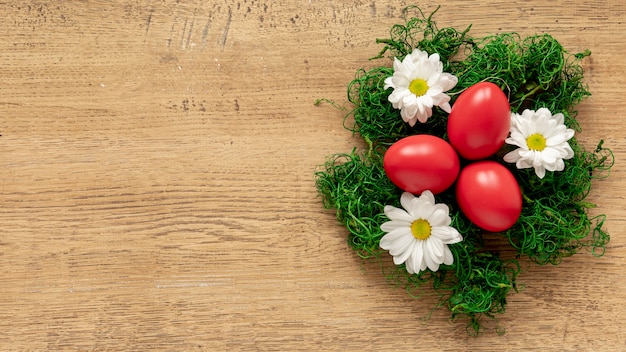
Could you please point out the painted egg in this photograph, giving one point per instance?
(421, 162)
(479, 121)
(489, 195)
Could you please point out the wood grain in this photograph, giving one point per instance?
(157, 191)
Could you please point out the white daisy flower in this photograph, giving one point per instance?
(418, 84)
(418, 236)
(542, 141)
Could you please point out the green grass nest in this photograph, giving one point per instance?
(534, 72)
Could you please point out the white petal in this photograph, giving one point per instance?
(537, 159)
(448, 81)
(389, 83)
(423, 70)
(440, 99)
(434, 57)
(540, 171)
(409, 112)
(401, 82)
(549, 155)
(512, 157)
(446, 234)
(398, 214)
(422, 210)
(435, 247)
(388, 241)
(423, 117)
(426, 101)
(527, 114)
(542, 113)
(430, 262)
(442, 207)
(400, 244)
(409, 99)
(560, 118)
(524, 163)
(448, 258)
(427, 196)
(409, 265)
(569, 153)
(395, 224)
(559, 166)
(439, 217)
(514, 120)
(408, 251)
(556, 140)
(406, 200)
(417, 258)
(516, 138)
(397, 65)
(433, 81)
(446, 107)
(421, 109)
(397, 97)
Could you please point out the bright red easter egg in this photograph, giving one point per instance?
(489, 195)
(421, 162)
(479, 121)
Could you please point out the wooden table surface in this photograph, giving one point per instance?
(157, 189)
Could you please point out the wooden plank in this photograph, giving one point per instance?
(157, 191)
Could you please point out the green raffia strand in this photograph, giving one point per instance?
(534, 72)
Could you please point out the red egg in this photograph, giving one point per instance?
(479, 121)
(422, 162)
(489, 195)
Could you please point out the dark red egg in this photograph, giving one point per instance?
(489, 195)
(479, 121)
(422, 162)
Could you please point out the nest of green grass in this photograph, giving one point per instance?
(534, 72)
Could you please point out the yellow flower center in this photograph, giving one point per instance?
(536, 142)
(418, 87)
(420, 229)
